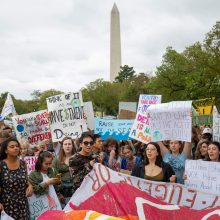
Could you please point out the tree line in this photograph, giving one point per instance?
(188, 75)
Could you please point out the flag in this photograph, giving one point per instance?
(8, 108)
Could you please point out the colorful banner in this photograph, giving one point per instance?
(176, 194)
(216, 125)
(141, 127)
(33, 127)
(204, 106)
(66, 116)
(171, 121)
(118, 129)
(40, 204)
(30, 163)
(202, 120)
(203, 175)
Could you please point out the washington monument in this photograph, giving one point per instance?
(115, 44)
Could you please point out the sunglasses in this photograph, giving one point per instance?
(86, 143)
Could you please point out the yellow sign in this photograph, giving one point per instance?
(204, 106)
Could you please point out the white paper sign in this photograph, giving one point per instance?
(216, 125)
(40, 204)
(66, 116)
(88, 109)
(33, 127)
(141, 127)
(171, 121)
(203, 175)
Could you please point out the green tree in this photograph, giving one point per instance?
(125, 73)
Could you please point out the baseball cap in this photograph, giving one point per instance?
(207, 131)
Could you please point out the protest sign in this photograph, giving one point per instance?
(125, 114)
(170, 193)
(204, 106)
(203, 175)
(30, 163)
(40, 204)
(118, 129)
(33, 127)
(216, 125)
(130, 106)
(171, 121)
(199, 120)
(88, 109)
(66, 116)
(141, 127)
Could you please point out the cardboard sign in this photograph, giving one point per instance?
(130, 106)
(171, 121)
(66, 116)
(141, 127)
(204, 106)
(203, 175)
(118, 129)
(216, 125)
(33, 127)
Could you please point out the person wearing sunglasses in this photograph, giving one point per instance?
(82, 162)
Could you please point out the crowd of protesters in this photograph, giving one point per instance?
(64, 164)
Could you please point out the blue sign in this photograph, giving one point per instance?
(118, 129)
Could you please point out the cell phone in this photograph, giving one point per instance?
(58, 176)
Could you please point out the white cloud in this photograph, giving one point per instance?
(65, 44)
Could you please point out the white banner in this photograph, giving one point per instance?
(141, 127)
(66, 115)
(8, 108)
(171, 193)
(171, 121)
(30, 163)
(216, 125)
(203, 175)
(33, 127)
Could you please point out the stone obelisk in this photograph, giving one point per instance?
(115, 44)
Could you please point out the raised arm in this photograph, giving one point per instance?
(163, 149)
(187, 149)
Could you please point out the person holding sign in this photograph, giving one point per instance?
(44, 176)
(61, 165)
(176, 156)
(14, 185)
(214, 151)
(81, 163)
(154, 168)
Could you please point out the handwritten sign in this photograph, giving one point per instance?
(204, 106)
(40, 204)
(66, 115)
(171, 121)
(216, 125)
(118, 129)
(33, 127)
(141, 127)
(203, 175)
(30, 163)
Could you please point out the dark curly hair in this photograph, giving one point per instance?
(4, 146)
